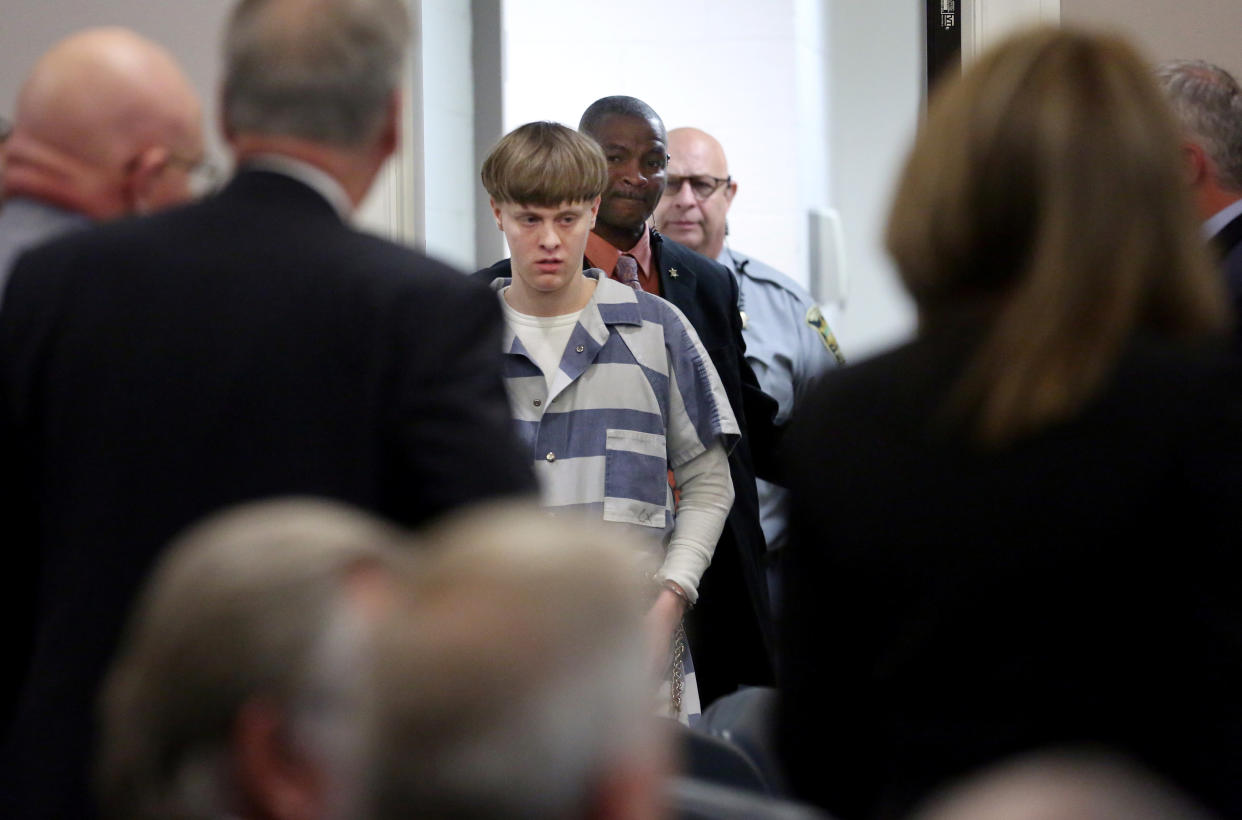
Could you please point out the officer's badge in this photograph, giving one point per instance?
(816, 320)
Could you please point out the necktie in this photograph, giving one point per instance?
(627, 271)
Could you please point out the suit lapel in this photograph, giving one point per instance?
(677, 282)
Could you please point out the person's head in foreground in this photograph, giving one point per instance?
(1208, 103)
(545, 181)
(317, 81)
(238, 691)
(1061, 786)
(1043, 204)
(515, 681)
(106, 125)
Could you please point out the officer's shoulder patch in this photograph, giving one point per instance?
(815, 318)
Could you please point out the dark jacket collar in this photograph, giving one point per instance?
(1229, 236)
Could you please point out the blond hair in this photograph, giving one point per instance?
(545, 164)
(1044, 191)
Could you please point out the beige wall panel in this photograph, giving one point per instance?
(1203, 29)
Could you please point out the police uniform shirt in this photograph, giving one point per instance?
(788, 344)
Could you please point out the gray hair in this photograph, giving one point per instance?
(249, 604)
(518, 679)
(321, 70)
(1208, 102)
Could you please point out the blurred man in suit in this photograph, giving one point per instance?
(1208, 103)
(106, 125)
(152, 371)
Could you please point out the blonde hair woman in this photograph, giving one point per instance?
(1027, 533)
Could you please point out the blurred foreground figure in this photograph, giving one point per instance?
(513, 681)
(155, 370)
(1208, 103)
(106, 125)
(1051, 786)
(1034, 535)
(239, 691)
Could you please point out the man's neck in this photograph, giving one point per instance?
(1211, 199)
(354, 171)
(623, 239)
(39, 172)
(569, 299)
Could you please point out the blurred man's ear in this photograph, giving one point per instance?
(274, 779)
(1196, 166)
(390, 137)
(142, 176)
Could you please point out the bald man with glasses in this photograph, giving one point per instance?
(106, 125)
(788, 341)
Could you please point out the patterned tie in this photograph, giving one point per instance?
(627, 271)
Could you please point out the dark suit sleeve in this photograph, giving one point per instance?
(455, 432)
(18, 508)
(827, 717)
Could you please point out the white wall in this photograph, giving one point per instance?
(875, 59)
(986, 21)
(447, 132)
(876, 68)
(1195, 29)
(729, 67)
(192, 31)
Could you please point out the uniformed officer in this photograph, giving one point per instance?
(788, 341)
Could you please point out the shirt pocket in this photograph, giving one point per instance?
(636, 478)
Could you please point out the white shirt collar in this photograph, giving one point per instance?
(1222, 218)
(307, 174)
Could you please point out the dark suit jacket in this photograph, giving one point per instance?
(949, 605)
(1228, 244)
(156, 370)
(730, 628)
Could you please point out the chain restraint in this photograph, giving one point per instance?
(677, 670)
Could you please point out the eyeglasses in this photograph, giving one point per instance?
(204, 176)
(702, 186)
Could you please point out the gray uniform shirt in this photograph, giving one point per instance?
(788, 344)
(26, 222)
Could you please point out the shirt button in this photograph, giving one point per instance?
(581, 348)
(551, 456)
(538, 402)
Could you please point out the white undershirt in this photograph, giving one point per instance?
(706, 496)
(544, 337)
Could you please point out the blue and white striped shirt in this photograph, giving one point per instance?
(635, 394)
